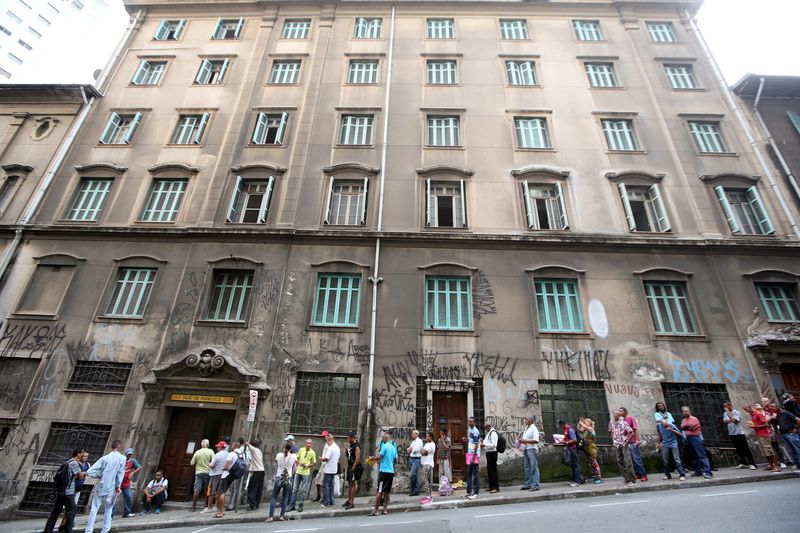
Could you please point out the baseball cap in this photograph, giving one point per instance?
(221, 444)
(289, 437)
(324, 434)
(129, 451)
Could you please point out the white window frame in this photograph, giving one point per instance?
(120, 129)
(601, 75)
(207, 71)
(440, 28)
(654, 205)
(620, 135)
(707, 136)
(165, 28)
(190, 129)
(286, 72)
(681, 76)
(149, 72)
(532, 133)
(753, 209)
(220, 30)
(355, 130)
(459, 207)
(441, 72)
(368, 28)
(363, 71)
(554, 205)
(587, 30)
(514, 29)
(89, 199)
(662, 32)
(164, 200)
(521, 73)
(263, 125)
(443, 131)
(236, 216)
(346, 213)
(296, 29)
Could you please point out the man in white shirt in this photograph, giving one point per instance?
(489, 446)
(530, 438)
(155, 493)
(215, 474)
(330, 460)
(427, 454)
(414, 461)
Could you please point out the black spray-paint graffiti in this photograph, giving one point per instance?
(475, 365)
(332, 350)
(587, 364)
(398, 400)
(531, 400)
(511, 427)
(283, 386)
(483, 302)
(38, 340)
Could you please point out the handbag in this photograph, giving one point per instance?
(283, 481)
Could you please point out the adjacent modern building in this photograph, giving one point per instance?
(384, 215)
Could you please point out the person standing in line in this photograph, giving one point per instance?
(443, 455)
(636, 454)
(692, 429)
(571, 446)
(668, 435)
(109, 471)
(586, 427)
(354, 469)
(770, 410)
(758, 421)
(306, 459)
(200, 460)
(255, 483)
(414, 462)
(215, 469)
(386, 457)
(621, 434)
(85, 465)
(530, 438)
(733, 421)
(132, 468)
(489, 446)
(427, 455)
(285, 462)
(788, 424)
(66, 501)
(320, 473)
(227, 480)
(473, 460)
(155, 493)
(330, 467)
(290, 439)
(661, 413)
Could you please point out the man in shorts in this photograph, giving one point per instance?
(353, 469)
(760, 426)
(387, 455)
(215, 474)
(200, 460)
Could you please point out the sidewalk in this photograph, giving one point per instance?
(177, 516)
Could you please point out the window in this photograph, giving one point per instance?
(778, 301)
(120, 129)
(662, 32)
(149, 72)
(587, 30)
(228, 28)
(531, 132)
(250, 201)
(284, 72)
(669, 307)
(680, 76)
(270, 128)
(744, 210)
(443, 131)
(794, 118)
(189, 129)
(164, 200)
(99, 376)
(46, 289)
(644, 208)
(571, 400)
(131, 292)
(230, 295)
(325, 401)
(356, 130)
(513, 29)
(707, 137)
(89, 199)
(442, 73)
(7, 190)
(296, 29)
(361, 71)
(211, 72)
(347, 202)
(704, 400)
(558, 305)
(336, 301)
(445, 206)
(619, 135)
(544, 206)
(601, 75)
(441, 29)
(521, 73)
(368, 28)
(64, 437)
(448, 303)
(169, 30)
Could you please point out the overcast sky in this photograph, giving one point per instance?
(758, 36)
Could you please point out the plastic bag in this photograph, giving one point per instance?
(445, 489)
(337, 486)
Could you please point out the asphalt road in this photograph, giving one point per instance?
(766, 507)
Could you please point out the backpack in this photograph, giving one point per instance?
(501, 442)
(62, 478)
(238, 469)
(580, 442)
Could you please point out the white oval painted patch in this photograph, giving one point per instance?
(597, 318)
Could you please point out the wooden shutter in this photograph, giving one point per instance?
(237, 190)
(463, 205)
(562, 207)
(201, 128)
(328, 201)
(162, 30)
(265, 200)
(223, 70)
(113, 124)
(204, 72)
(179, 28)
(760, 211)
(364, 203)
(626, 205)
(726, 208)
(138, 77)
(281, 128)
(217, 29)
(132, 128)
(662, 220)
(238, 28)
(428, 202)
(260, 129)
(526, 195)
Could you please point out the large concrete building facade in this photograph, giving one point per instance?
(400, 215)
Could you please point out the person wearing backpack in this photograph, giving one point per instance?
(489, 445)
(571, 452)
(64, 486)
(234, 469)
(285, 462)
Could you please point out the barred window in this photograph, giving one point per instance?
(531, 132)
(587, 30)
(356, 130)
(601, 75)
(362, 72)
(89, 199)
(521, 73)
(571, 400)
(441, 28)
(513, 29)
(680, 76)
(164, 200)
(64, 437)
(368, 28)
(443, 131)
(325, 402)
(619, 135)
(230, 295)
(131, 292)
(448, 303)
(670, 308)
(442, 73)
(662, 32)
(296, 29)
(558, 305)
(779, 301)
(707, 137)
(149, 72)
(704, 400)
(337, 300)
(99, 376)
(284, 72)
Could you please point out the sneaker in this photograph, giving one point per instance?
(682, 478)
(742, 466)
(598, 481)
(524, 488)
(467, 495)
(535, 488)
(631, 484)
(573, 484)
(644, 477)
(667, 477)
(129, 515)
(472, 497)
(752, 467)
(783, 465)
(706, 476)
(158, 510)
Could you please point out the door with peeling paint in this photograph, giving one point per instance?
(450, 412)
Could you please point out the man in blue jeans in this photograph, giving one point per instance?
(530, 438)
(473, 457)
(693, 431)
(633, 446)
(788, 424)
(571, 444)
(414, 461)
(668, 442)
(330, 460)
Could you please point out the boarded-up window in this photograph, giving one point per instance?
(46, 290)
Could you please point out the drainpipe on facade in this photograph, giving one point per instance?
(771, 141)
(743, 123)
(375, 278)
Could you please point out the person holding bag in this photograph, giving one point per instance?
(283, 480)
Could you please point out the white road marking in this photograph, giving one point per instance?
(618, 503)
(302, 529)
(501, 514)
(728, 493)
(204, 529)
(388, 523)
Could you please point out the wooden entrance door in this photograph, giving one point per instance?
(790, 372)
(186, 429)
(450, 412)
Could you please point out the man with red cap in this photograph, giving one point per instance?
(215, 469)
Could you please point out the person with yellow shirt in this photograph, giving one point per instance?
(306, 459)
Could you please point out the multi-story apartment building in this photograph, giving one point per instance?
(389, 215)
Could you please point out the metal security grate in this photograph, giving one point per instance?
(98, 376)
(325, 402)
(571, 400)
(705, 401)
(64, 437)
(421, 406)
(478, 411)
(39, 496)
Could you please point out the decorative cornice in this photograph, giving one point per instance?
(560, 267)
(664, 269)
(632, 173)
(270, 167)
(350, 167)
(540, 169)
(347, 261)
(444, 169)
(446, 264)
(164, 167)
(113, 167)
(711, 178)
(16, 168)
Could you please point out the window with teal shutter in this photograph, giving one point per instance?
(558, 305)
(670, 308)
(230, 295)
(337, 300)
(448, 303)
(778, 301)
